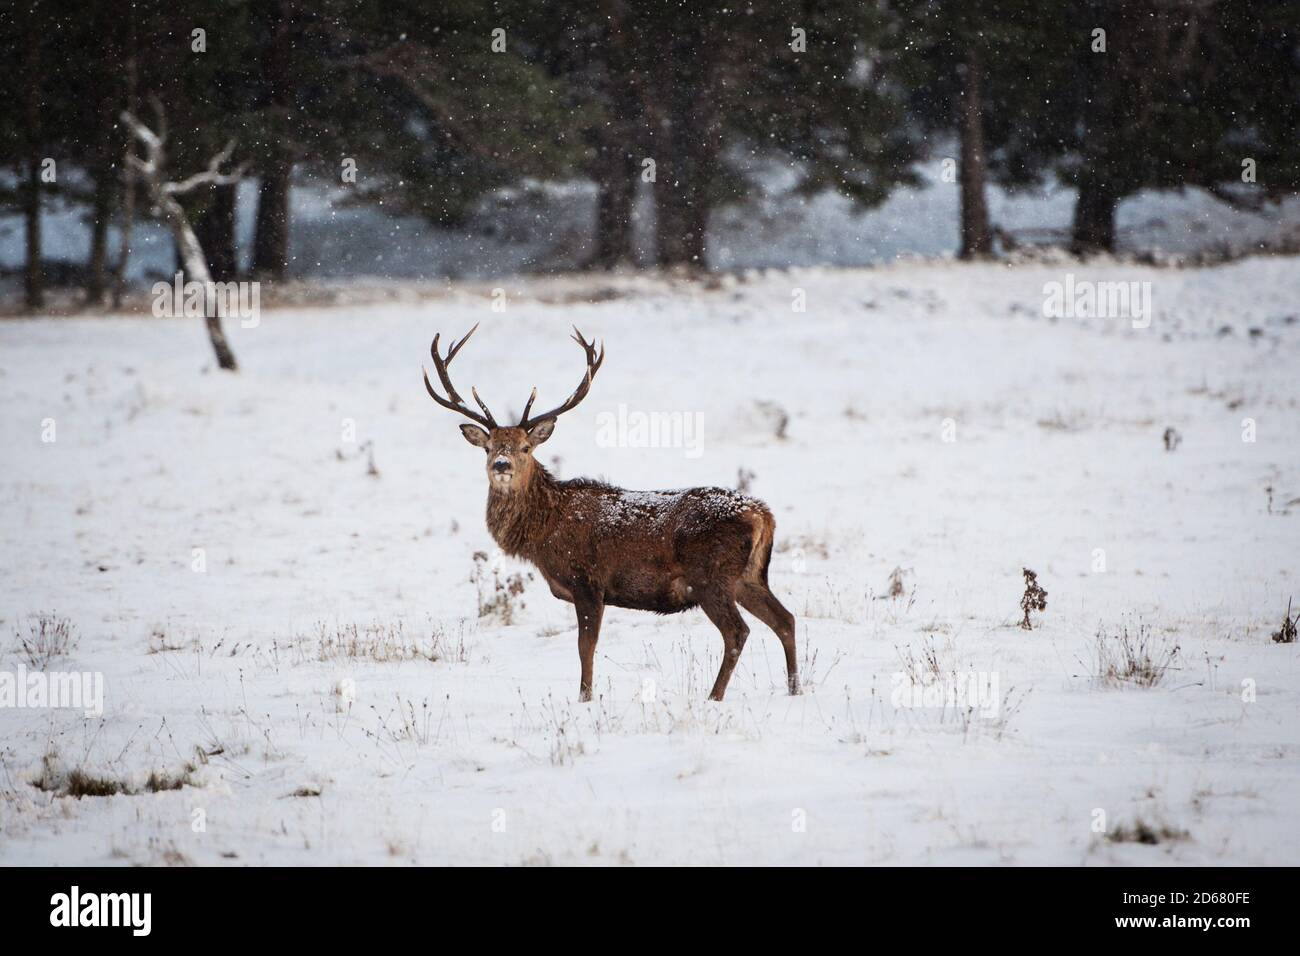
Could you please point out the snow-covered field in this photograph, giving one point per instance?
(263, 608)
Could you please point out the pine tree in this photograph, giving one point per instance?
(767, 79)
(983, 73)
(592, 61)
(438, 108)
(1179, 94)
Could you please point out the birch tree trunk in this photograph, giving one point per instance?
(196, 268)
(151, 169)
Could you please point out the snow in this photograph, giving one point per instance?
(351, 706)
(627, 510)
(550, 227)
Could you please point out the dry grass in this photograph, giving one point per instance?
(1286, 634)
(922, 668)
(160, 781)
(823, 598)
(802, 545)
(1148, 834)
(896, 586)
(499, 598)
(387, 642)
(80, 782)
(1134, 656)
(48, 637)
(161, 643)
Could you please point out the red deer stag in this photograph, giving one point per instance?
(597, 545)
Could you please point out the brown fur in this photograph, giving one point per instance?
(597, 545)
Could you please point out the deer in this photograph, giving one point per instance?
(599, 546)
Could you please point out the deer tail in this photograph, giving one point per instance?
(760, 545)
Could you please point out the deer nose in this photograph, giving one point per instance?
(500, 465)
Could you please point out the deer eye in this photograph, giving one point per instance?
(525, 449)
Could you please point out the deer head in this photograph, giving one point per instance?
(509, 448)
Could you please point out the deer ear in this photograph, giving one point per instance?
(541, 431)
(474, 435)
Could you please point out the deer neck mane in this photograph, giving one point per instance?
(518, 521)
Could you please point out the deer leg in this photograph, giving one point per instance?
(762, 603)
(721, 610)
(590, 608)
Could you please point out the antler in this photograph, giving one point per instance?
(453, 401)
(593, 366)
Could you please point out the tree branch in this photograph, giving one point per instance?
(409, 65)
(151, 167)
(211, 176)
(152, 142)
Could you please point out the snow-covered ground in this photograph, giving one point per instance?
(937, 423)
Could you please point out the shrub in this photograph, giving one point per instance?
(1133, 656)
(48, 637)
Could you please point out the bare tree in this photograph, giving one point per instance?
(151, 171)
